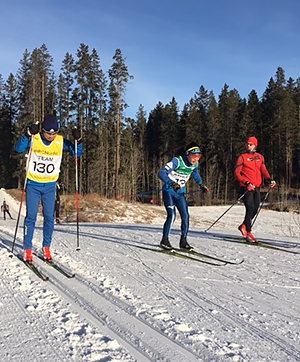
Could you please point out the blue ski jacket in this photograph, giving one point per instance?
(24, 144)
(173, 165)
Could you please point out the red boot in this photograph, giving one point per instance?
(27, 256)
(250, 238)
(243, 230)
(46, 252)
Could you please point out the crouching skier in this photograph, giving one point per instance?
(175, 175)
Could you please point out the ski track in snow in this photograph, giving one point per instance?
(129, 304)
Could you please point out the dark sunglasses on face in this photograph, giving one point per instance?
(50, 133)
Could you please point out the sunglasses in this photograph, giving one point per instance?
(195, 155)
(50, 133)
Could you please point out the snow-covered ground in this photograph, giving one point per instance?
(131, 304)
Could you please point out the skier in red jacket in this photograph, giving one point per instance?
(249, 170)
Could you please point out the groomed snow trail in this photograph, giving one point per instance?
(130, 304)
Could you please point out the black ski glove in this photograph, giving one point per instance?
(249, 186)
(175, 186)
(32, 130)
(272, 183)
(204, 188)
(76, 134)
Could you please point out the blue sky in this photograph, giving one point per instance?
(171, 47)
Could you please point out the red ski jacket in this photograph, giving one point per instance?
(250, 167)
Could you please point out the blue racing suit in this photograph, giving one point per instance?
(177, 170)
(44, 191)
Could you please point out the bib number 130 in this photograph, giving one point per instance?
(41, 167)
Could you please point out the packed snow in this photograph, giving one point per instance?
(128, 303)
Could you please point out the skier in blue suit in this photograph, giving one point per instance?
(43, 170)
(175, 175)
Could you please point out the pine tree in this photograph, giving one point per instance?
(42, 83)
(24, 80)
(64, 115)
(140, 140)
(96, 119)
(119, 77)
(230, 114)
(8, 131)
(7, 112)
(212, 175)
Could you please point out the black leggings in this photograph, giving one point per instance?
(251, 201)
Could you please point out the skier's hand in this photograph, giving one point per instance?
(204, 188)
(175, 186)
(249, 186)
(32, 130)
(272, 183)
(76, 134)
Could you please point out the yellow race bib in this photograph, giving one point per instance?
(44, 164)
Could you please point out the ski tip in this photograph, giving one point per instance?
(238, 262)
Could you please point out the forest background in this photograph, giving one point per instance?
(121, 155)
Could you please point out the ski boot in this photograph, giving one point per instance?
(250, 238)
(165, 244)
(27, 256)
(46, 253)
(184, 244)
(243, 230)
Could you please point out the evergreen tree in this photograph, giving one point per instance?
(170, 130)
(290, 131)
(198, 107)
(42, 83)
(155, 143)
(212, 175)
(7, 111)
(96, 117)
(296, 146)
(81, 105)
(83, 97)
(64, 115)
(24, 80)
(230, 114)
(140, 140)
(279, 114)
(119, 77)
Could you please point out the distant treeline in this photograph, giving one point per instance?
(121, 156)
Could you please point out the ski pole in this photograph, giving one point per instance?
(22, 199)
(76, 196)
(240, 198)
(260, 207)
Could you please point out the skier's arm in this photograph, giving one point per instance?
(68, 146)
(264, 170)
(195, 175)
(238, 170)
(22, 144)
(166, 169)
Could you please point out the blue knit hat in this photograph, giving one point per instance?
(50, 124)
